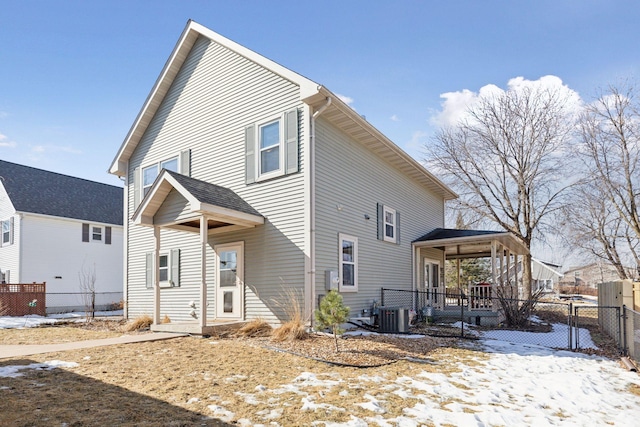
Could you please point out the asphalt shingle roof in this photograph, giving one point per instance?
(214, 194)
(48, 193)
(450, 233)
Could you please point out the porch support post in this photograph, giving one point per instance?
(414, 276)
(508, 268)
(502, 264)
(494, 273)
(156, 276)
(203, 270)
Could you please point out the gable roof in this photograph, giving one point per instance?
(220, 205)
(42, 192)
(311, 93)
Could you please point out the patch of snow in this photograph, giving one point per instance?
(33, 320)
(13, 371)
(193, 400)
(308, 404)
(372, 405)
(222, 413)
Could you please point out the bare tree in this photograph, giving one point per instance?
(506, 160)
(594, 226)
(609, 131)
(87, 276)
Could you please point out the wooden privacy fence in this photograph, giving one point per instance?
(22, 299)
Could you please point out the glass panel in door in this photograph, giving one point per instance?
(229, 281)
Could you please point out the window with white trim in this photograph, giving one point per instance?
(96, 234)
(348, 263)
(168, 269)
(388, 224)
(150, 173)
(6, 232)
(271, 147)
(389, 218)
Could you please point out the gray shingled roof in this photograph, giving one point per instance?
(450, 233)
(38, 191)
(214, 194)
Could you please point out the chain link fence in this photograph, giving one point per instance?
(562, 325)
(631, 333)
(64, 302)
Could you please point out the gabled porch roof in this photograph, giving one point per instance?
(458, 243)
(223, 209)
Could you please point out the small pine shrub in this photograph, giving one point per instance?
(331, 314)
(141, 322)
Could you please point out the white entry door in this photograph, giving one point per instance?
(229, 280)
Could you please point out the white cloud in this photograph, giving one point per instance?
(39, 149)
(395, 118)
(456, 104)
(346, 99)
(5, 143)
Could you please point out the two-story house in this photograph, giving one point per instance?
(246, 183)
(56, 227)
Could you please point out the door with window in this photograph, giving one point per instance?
(229, 280)
(432, 286)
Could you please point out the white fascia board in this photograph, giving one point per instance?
(227, 215)
(64, 218)
(447, 192)
(170, 70)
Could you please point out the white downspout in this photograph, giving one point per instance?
(312, 203)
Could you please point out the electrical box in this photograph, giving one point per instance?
(331, 279)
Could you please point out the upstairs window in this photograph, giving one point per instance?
(7, 232)
(96, 234)
(271, 147)
(388, 224)
(150, 173)
(270, 152)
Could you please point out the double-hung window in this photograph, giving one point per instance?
(270, 141)
(388, 224)
(271, 147)
(6, 232)
(168, 269)
(96, 234)
(348, 260)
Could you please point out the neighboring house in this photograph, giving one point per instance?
(591, 274)
(54, 228)
(248, 186)
(545, 276)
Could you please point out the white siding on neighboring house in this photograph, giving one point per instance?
(215, 95)
(10, 253)
(350, 182)
(53, 252)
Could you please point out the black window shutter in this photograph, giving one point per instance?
(11, 230)
(250, 154)
(85, 232)
(397, 228)
(107, 235)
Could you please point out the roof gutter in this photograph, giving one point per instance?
(312, 204)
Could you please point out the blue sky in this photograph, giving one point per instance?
(74, 74)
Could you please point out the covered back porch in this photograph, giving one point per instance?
(475, 301)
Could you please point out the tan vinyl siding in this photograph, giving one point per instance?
(350, 181)
(174, 208)
(215, 95)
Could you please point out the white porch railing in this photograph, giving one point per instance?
(480, 296)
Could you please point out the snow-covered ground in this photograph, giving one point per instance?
(519, 384)
(31, 321)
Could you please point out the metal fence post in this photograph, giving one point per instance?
(461, 315)
(570, 326)
(624, 330)
(621, 348)
(382, 297)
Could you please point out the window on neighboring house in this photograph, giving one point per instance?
(348, 260)
(168, 269)
(6, 232)
(5, 276)
(272, 147)
(388, 224)
(94, 233)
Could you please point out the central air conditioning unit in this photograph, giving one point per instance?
(393, 320)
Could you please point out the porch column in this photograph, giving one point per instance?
(156, 276)
(204, 234)
(494, 273)
(502, 264)
(508, 267)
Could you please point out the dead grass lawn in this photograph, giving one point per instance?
(181, 382)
